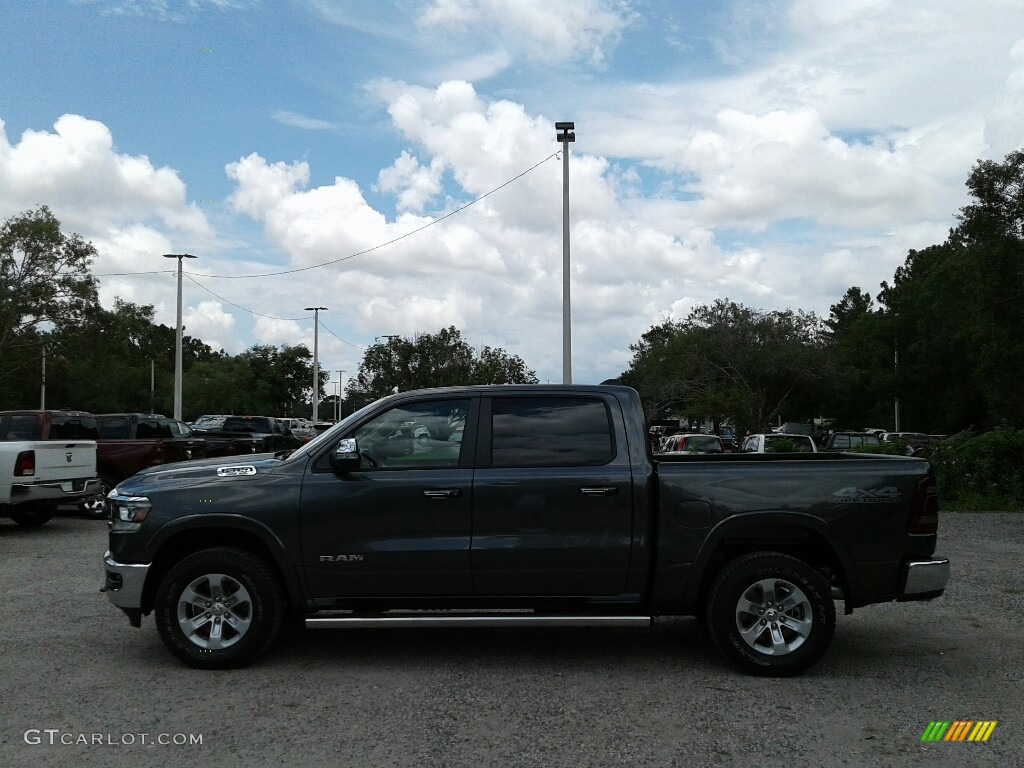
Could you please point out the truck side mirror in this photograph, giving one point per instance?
(345, 454)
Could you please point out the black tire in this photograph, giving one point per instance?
(747, 625)
(95, 507)
(233, 592)
(32, 517)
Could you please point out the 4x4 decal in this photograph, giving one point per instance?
(851, 495)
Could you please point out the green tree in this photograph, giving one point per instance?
(279, 380)
(957, 309)
(726, 360)
(440, 359)
(859, 343)
(106, 362)
(44, 282)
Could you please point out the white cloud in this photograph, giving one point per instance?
(545, 32)
(295, 120)
(80, 175)
(416, 185)
(165, 10)
(208, 321)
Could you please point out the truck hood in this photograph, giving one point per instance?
(185, 473)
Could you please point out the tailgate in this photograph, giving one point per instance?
(64, 460)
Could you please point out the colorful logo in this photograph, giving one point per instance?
(958, 730)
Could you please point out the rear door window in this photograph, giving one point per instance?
(550, 432)
(73, 427)
(23, 426)
(114, 427)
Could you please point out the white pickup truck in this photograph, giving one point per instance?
(778, 441)
(36, 476)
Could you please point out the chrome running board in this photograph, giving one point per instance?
(418, 620)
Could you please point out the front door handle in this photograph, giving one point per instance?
(603, 490)
(447, 493)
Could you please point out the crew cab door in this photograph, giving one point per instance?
(399, 524)
(552, 497)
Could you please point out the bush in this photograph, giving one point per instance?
(782, 445)
(895, 448)
(983, 472)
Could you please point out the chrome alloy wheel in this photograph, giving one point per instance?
(214, 611)
(774, 617)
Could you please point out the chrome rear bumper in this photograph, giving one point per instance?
(924, 579)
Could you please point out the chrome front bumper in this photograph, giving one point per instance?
(924, 579)
(123, 583)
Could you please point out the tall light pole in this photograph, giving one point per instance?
(177, 346)
(42, 388)
(341, 391)
(896, 376)
(316, 357)
(565, 136)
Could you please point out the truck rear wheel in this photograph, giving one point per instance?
(33, 516)
(771, 614)
(219, 608)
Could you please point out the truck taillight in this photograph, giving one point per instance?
(925, 516)
(25, 466)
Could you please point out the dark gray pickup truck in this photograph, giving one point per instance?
(518, 505)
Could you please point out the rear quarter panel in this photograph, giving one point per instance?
(858, 505)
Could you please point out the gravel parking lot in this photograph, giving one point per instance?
(80, 687)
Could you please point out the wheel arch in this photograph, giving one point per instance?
(185, 541)
(802, 536)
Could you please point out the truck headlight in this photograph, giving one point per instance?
(128, 512)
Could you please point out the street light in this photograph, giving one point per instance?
(177, 349)
(316, 357)
(341, 391)
(564, 137)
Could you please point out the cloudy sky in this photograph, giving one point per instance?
(395, 160)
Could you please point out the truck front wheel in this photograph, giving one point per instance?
(219, 608)
(771, 614)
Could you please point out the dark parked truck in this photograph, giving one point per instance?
(239, 435)
(518, 505)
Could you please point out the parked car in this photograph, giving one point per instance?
(770, 442)
(300, 428)
(729, 439)
(695, 443)
(208, 421)
(844, 441)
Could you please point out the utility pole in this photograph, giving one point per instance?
(177, 347)
(565, 136)
(896, 371)
(316, 357)
(341, 391)
(42, 388)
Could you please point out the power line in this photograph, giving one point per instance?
(271, 317)
(343, 341)
(394, 240)
(359, 253)
(239, 306)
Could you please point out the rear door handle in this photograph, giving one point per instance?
(602, 490)
(446, 493)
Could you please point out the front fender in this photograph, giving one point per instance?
(185, 535)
